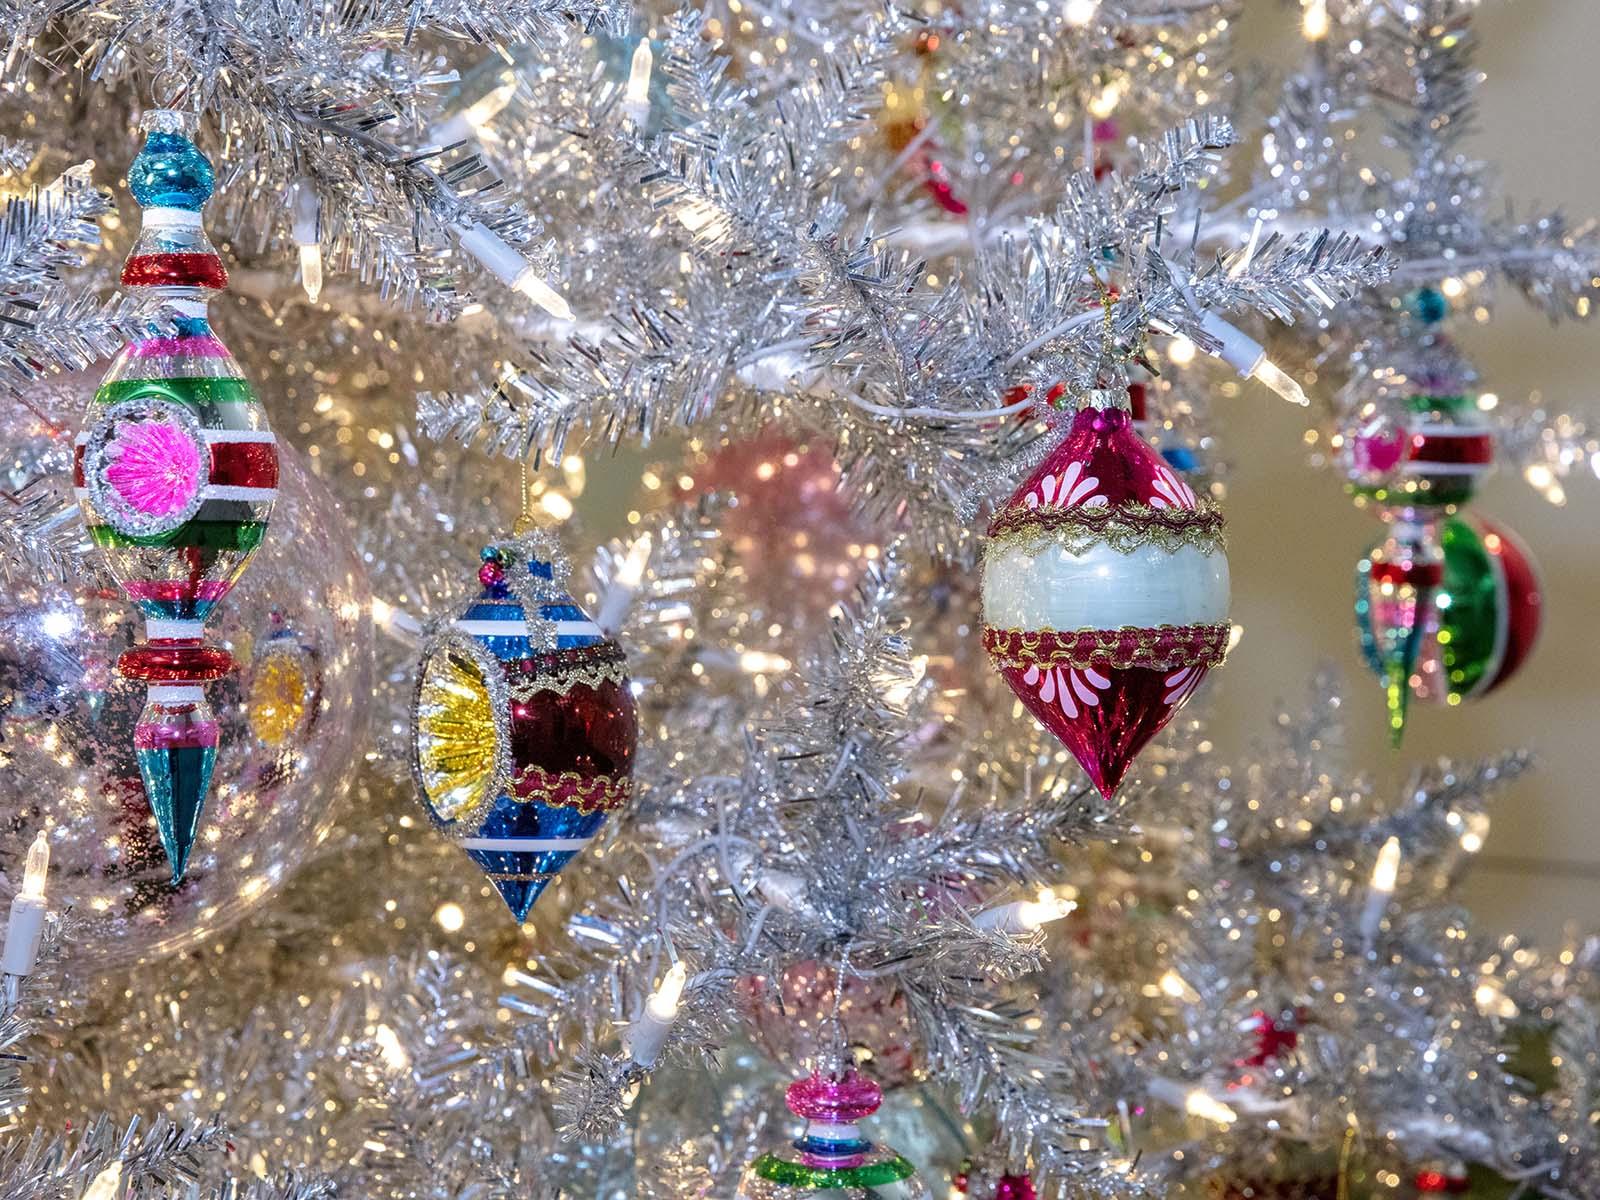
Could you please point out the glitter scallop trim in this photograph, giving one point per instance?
(560, 671)
(1161, 648)
(1123, 527)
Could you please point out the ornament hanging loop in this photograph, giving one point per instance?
(529, 519)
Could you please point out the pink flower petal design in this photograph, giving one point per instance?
(154, 467)
(1181, 684)
(1072, 489)
(1170, 491)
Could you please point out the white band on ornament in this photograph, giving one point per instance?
(525, 845)
(1103, 588)
(157, 627)
(171, 218)
(176, 693)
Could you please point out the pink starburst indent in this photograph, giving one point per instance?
(155, 467)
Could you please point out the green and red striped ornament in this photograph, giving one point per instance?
(176, 471)
(1446, 611)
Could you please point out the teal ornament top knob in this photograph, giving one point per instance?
(170, 171)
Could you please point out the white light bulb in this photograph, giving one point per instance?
(663, 1002)
(1174, 985)
(394, 1054)
(1080, 12)
(1315, 23)
(1105, 102)
(107, 1185)
(1387, 869)
(533, 286)
(507, 265)
(1201, 1104)
(1472, 838)
(305, 225)
(311, 270)
(1182, 351)
(631, 572)
(1275, 377)
(637, 96)
(37, 868)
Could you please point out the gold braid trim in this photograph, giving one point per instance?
(1162, 648)
(568, 789)
(1124, 527)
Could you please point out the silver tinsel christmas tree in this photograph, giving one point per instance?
(824, 276)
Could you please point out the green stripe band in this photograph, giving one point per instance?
(868, 1175)
(193, 392)
(206, 535)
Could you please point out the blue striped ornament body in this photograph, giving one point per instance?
(523, 723)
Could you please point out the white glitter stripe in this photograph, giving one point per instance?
(217, 491)
(525, 844)
(177, 693)
(158, 627)
(216, 437)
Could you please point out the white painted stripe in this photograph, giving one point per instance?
(1453, 432)
(525, 844)
(188, 306)
(1421, 466)
(82, 439)
(217, 491)
(171, 218)
(158, 627)
(520, 628)
(227, 436)
(177, 693)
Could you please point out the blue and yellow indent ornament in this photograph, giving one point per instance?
(523, 723)
(176, 472)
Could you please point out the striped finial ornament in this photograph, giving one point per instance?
(522, 725)
(176, 472)
(832, 1157)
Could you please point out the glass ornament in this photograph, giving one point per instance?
(1105, 590)
(522, 725)
(1426, 452)
(831, 1158)
(177, 474)
(795, 1021)
(1446, 610)
(68, 721)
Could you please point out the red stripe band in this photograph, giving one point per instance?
(244, 464)
(1466, 448)
(1415, 574)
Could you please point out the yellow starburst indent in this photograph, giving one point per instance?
(280, 695)
(457, 738)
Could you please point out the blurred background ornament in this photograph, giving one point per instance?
(788, 521)
(523, 724)
(831, 1157)
(1105, 590)
(1446, 610)
(177, 472)
(66, 733)
(792, 1019)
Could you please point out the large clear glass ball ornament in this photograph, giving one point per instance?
(292, 724)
